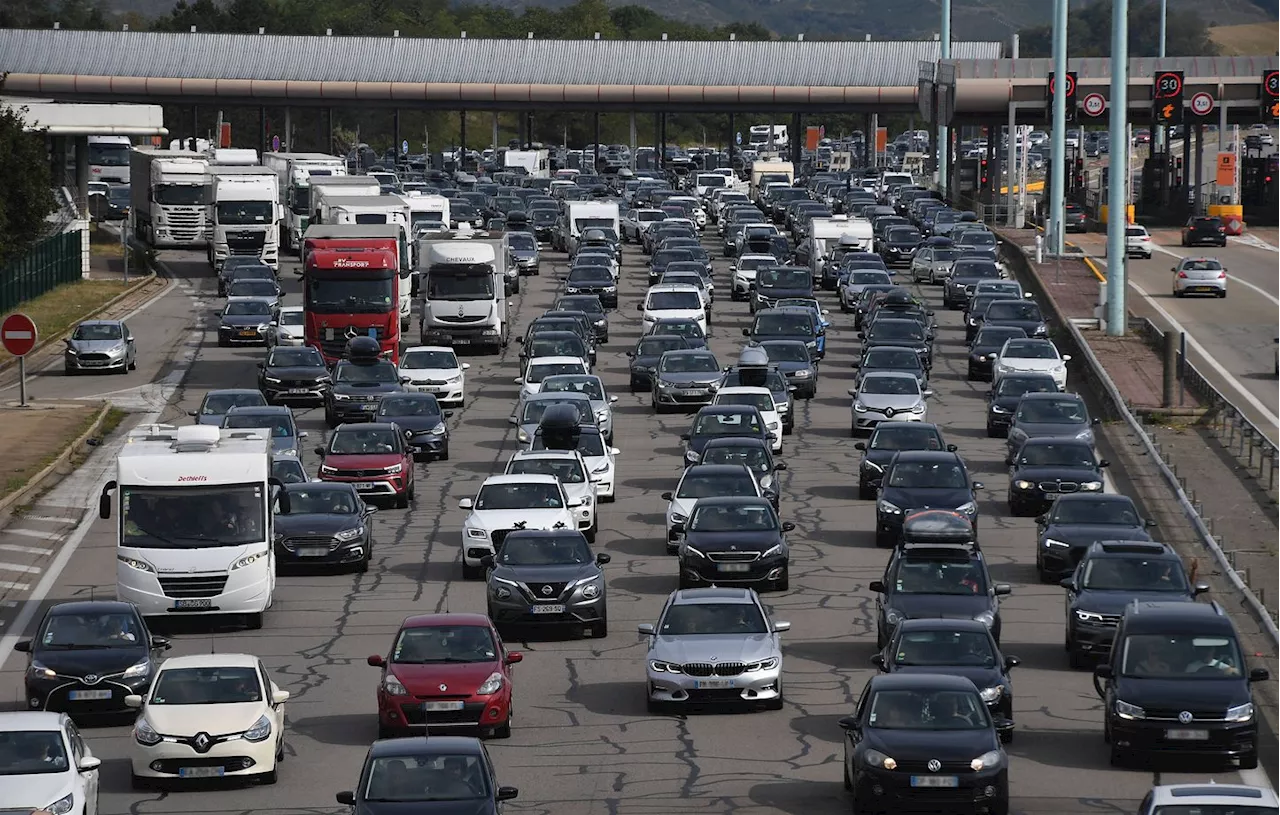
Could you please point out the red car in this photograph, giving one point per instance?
(374, 457)
(448, 671)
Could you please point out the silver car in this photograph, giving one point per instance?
(287, 327)
(933, 264)
(713, 645)
(1199, 276)
(100, 345)
(887, 396)
(593, 387)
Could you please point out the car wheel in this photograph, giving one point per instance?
(590, 533)
(600, 628)
(655, 707)
(1006, 737)
(329, 420)
(69, 371)
(1075, 658)
(402, 500)
(503, 731)
(866, 492)
(444, 454)
(1117, 756)
(363, 565)
(253, 622)
(686, 583)
(140, 783)
(1177, 293)
(848, 782)
(783, 583)
(1222, 294)
(993, 432)
(470, 572)
(280, 751)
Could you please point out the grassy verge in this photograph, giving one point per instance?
(103, 243)
(57, 310)
(67, 432)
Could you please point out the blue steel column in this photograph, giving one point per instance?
(1118, 162)
(1158, 132)
(943, 147)
(1058, 149)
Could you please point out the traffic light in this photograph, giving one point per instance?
(1071, 95)
(1166, 98)
(983, 179)
(1078, 179)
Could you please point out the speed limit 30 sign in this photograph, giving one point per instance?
(1094, 104)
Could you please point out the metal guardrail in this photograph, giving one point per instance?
(1115, 407)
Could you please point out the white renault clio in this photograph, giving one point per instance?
(45, 765)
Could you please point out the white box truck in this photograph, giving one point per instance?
(427, 213)
(463, 292)
(536, 163)
(246, 215)
(170, 197)
(109, 159)
(295, 171)
(770, 172)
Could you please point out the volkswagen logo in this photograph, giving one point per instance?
(202, 742)
(444, 687)
(547, 590)
(934, 765)
(91, 679)
(351, 333)
(1185, 717)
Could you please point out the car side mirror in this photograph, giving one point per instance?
(685, 436)
(788, 526)
(877, 586)
(646, 628)
(89, 763)
(1096, 421)
(603, 558)
(193, 413)
(951, 448)
(848, 723)
(1201, 588)
(133, 700)
(855, 363)
(862, 335)
(465, 503)
(613, 399)
(1103, 672)
(261, 365)
(1068, 583)
(781, 627)
(926, 393)
(978, 485)
(346, 797)
(862, 445)
(639, 306)
(376, 661)
(1011, 662)
(1150, 523)
(513, 657)
(1104, 463)
(878, 661)
(1259, 675)
(24, 646)
(404, 380)
(319, 451)
(161, 643)
(507, 793)
(631, 354)
(279, 697)
(1003, 590)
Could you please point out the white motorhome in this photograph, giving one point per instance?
(427, 213)
(537, 163)
(580, 215)
(336, 186)
(246, 215)
(368, 210)
(109, 159)
(193, 509)
(170, 201)
(463, 291)
(295, 171)
(826, 233)
(774, 171)
(768, 136)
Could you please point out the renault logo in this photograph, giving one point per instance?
(547, 590)
(203, 742)
(1185, 717)
(934, 765)
(351, 333)
(462, 311)
(888, 411)
(91, 679)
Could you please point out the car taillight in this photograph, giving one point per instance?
(1182, 275)
(1222, 275)
(1222, 229)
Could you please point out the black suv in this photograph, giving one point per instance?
(937, 581)
(1177, 685)
(1200, 230)
(1076, 522)
(1110, 576)
(887, 440)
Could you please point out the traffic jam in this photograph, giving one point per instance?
(694, 310)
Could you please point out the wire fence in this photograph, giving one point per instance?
(53, 261)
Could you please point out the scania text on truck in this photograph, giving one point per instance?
(389, 211)
(463, 292)
(536, 163)
(770, 172)
(194, 522)
(170, 199)
(350, 293)
(246, 204)
(296, 171)
(109, 159)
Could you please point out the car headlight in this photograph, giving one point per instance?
(997, 409)
(1085, 434)
(453, 380)
(763, 665)
(689, 550)
(1023, 485)
(342, 397)
(477, 533)
(1041, 330)
(1060, 369)
(871, 465)
(1088, 616)
(918, 408)
(987, 761)
(991, 694)
(140, 668)
(135, 563)
(394, 468)
(73, 352)
(290, 452)
(501, 592)
(1050, 543)
(393, 686)
(983, 358)
(969, 508)
(664, 386)
(986, 618)
(1240, 713)
(692, 456)
(260, 730)
(666, 667)
(491, 685)
(39, 670)
(811, 344)
(858, 407)
(271, 379)
(591, 591)
(325, 469)
(1091, 486)
(144, 734)
(602, 415)
(438, 430)
(875, 758)
(63, 805)
(1127, 711)
(803, 373)
(772, 426)
(893, 616)
(888, 508)
(350, 534)
(776, 549)
(248, 560)
(522, 436)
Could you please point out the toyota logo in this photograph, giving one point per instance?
(444, 687)
(934, 765)
(91, 679)
(1185, 717)
(202, 742)
(351, 332)
(547, 590)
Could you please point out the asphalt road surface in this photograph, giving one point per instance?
(583, 742)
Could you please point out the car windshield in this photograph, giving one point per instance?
(727, 424)
(588, 385)
(1019, 386)
(782, 323)
(92, 332)
(885, 330)
(868, 278)
(534, 409)
(720, 485)
(959, 577)
(732, 519)
(522, 240)
(890, 385)
(688, 329)
(90, 631)
(906, 438)
(995, 336)
(359, 441)
(712, 619)
(248, 308)
(1030, 349)
(999, 290)
(291, 318)
(443, 643)
(280, 425)
(590, 276)
(975, 237)
(565, 470)
(927, 710)
(786, 352)
(1053, 454)
(975, 268)
(528, 495)
(383, 373)
(753, 457)
(414, 404)
(952, 648)
(903, 234)
(1135, 232)
(288, 471)
(1095, 511)
(428, 361)
(895, 358)
(1020, 310)
(760, 401)
(1133, 574)
(431, 777)
(590, 445)
(216, 404)
(31, 752)
(674, 301)
(1201, 265)
(689, 364)
(1177, 656)
(945, 255)
(941, 475)
(540, 371)
(252, 288)
(214, 685)
(544, 550)
(322, 501)
(1051, 411)
(294, 358)
(784, 278)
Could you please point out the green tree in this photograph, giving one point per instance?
(79, 14)
(26, 197)
(1089, 33)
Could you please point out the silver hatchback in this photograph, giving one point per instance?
(100, 345)
(1199, 276)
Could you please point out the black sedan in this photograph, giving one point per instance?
(328, 524)
(965, 276)
(1076, 522)
(644, 357)
(984, 348)
(87, 656)
(957, 648)
(357, 389)
(734, 541)
(940, 581)
(923, 479)
(420, 417)
(293, 375)
(924, 741)
(901, 333)
(442, 775)
(792, 358)
(887, 440)
(1003, 398)
(1024, 314)
(1048, 468)
(723, 421)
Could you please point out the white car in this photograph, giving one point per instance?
(287, 328)
(208, 716)
(1031, 356)
(636, 221)
(600, 459)
(47, 767)
(570, 469)
(744, 274)
(506, 503)
(887, 396)
(1174, 799)
(762, 400)
(435, 369)
(1137, 241)
(705, 481)
(699, 215)
(673, 301)
(539, 368)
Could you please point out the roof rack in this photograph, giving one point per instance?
(1132, 547)
(953, 548)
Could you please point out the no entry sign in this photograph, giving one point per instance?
(18, 334)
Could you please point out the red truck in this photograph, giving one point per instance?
(349, 290)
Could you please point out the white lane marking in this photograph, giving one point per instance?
(48, 518)
(24, 550)
(33, 533)
(1263, 292)
(1257, 243)
(9, 584)
(18, 567)
(1200, 349)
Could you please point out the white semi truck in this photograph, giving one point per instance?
(463, 292)
(109, 159)
(246, 215)
(296, 171)
(170, 197)
(194, 522)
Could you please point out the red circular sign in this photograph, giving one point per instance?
(1071, 85)
(18, 334)
(1202, 104)
(1094, 104)
(1168, 85)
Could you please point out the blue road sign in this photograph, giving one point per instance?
(275, 144)
(738, 137)
(404, 147)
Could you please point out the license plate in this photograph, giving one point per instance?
(935, 781)
(1052, 496)
(713, 684)
(201, 772)
(365, 485)
(547, 610)
(437, 707)
(313, 551)
(734, 567)
(299, 391)
(88, 695)
(201, 602)
(248, 333)
(461, 342)
(1187, 735)
(691, 393)
(370, 407)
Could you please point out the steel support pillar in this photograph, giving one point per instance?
(462, 142)
(495, 135)
(1198, 158)
(287, 141)
(82, 175)
(264, 142)
(329, 125)
(733, 140)
(1058, 148)
(944, 134)
(798, 139)
(395, 129)
(1184, 204)
(595, 146)
(662, 148)
(1118, 164)
(1011, 159)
